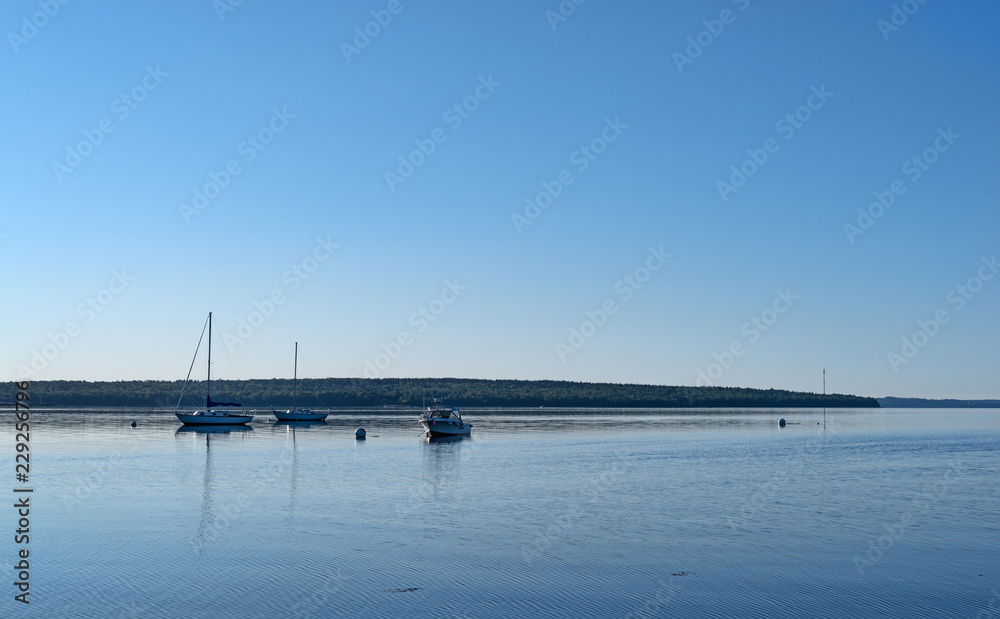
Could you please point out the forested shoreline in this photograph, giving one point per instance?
(409, 392)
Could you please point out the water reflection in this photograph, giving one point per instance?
(447, 439)
(290, 427)
(216, 433)
(300, 424)
(607, 514)
(208, 490)
(441, 458)
(213, 429)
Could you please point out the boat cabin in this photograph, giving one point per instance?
(443, 413)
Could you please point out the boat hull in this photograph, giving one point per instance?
(445, 427)
(290, 416)
(213, 420)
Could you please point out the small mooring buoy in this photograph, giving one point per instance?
(781, 422)
(359, 434)
(133, 424)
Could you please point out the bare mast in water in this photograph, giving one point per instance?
(208, 382)
(294, 414)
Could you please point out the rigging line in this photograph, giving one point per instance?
(197, 348)
(307, 372)
(289, 360)
(229, 359)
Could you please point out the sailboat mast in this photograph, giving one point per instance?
(208, 383)
(295, 376)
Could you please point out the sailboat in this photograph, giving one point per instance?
(209, 417)
(298, 414)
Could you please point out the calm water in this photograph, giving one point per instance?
(682, 514)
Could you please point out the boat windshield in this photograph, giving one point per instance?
(444, 413)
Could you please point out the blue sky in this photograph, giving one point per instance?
(330, 118)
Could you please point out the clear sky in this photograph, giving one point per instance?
(577, 173)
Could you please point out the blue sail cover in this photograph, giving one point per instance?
(211, 404)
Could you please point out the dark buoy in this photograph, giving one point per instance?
(359, 434)
(133, 424)
(781, 422)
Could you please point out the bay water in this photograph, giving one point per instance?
(543, 513)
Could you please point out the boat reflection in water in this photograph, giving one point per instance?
(208, 527)
(299, 424)
(235, 429)
(458, 438)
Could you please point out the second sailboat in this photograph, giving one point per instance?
(298, 414)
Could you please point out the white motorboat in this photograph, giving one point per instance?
(298, 414)
(209, 416)
(440, 420)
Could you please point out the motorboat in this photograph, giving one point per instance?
(440, 421)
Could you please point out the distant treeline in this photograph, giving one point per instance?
(922, 403)
(408, 392)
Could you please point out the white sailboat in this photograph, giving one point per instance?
(209, 417)
(298, 414)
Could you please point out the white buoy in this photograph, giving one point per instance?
(359, 434)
